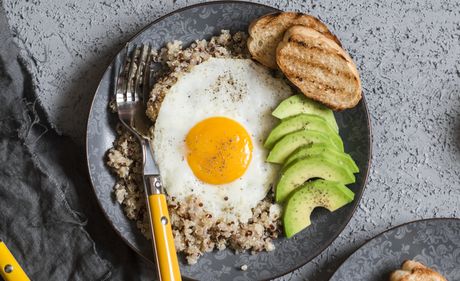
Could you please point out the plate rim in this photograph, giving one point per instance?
(109, 64)
(386, 231)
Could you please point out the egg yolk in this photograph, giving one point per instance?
(220, 150)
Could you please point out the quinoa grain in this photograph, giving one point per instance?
(195, 232)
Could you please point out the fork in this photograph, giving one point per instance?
(131, 106)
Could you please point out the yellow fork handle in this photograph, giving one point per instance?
(10, 269)
(163, 241)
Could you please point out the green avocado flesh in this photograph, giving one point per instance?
(301, 122)
(291, 141)
(340, 157)
(301, 104)
(315, 166)
(317, 193)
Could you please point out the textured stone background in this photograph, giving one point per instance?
(408, 55)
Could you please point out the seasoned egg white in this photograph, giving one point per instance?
(236, 89)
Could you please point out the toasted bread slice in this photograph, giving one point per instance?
(266, 32)
(415, 271)
(321, 69)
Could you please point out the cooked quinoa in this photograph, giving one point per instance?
(195, 231)
(176, 61)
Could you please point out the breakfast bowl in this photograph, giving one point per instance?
(187, 25)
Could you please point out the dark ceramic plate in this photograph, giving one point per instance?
(187, 25)
(433, 242)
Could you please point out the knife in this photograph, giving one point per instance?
(10, 269)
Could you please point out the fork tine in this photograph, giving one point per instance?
(142, 65)
(132, 116)
(146, 79)
(132, 66)
(120, 91)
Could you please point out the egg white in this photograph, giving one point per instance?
(234, 88)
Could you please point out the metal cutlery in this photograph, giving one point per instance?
(131, 106)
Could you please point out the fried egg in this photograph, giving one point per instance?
(209, 134)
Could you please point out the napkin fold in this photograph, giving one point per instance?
(49, 217)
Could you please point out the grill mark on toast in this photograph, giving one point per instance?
(318, 22)
(269, 18)
(321, 87)
(344, 58)
(306, 45)
(270, 28)
(293, 57)
(319, 84)
(294, 41)
(315, 87)
(318, 67)
(333, 98)
(346, 78)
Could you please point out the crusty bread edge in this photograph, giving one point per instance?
(398, 275)
(296, 29)
(251, 37)
(408, 267)
(255, 22)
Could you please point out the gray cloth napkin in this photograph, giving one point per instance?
(49, 216)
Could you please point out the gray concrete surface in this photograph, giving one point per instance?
(408, 55)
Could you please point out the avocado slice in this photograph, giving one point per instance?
(322, 148)
(291, 141)
(302, 104)
(318, 193)
(301, 121)
(314, 166)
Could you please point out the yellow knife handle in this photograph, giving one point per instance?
(163, 241)
(9, 267)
